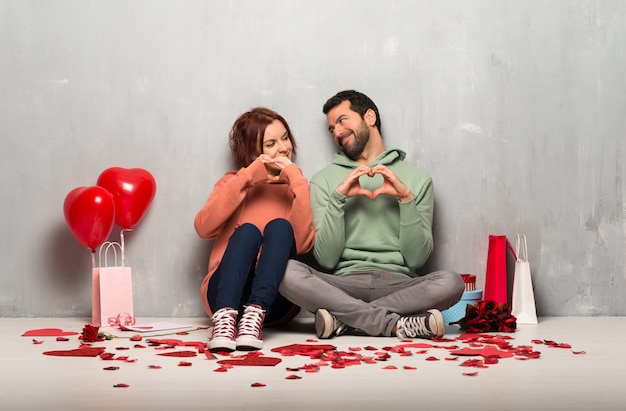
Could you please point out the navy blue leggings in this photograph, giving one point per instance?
(242, 280)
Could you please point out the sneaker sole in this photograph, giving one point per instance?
(323, 323)
(248, 343)
(221, 344)
(437, 326)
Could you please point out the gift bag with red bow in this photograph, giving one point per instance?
(112, 287)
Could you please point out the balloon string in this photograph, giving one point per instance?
(122, 245)
(93, 258)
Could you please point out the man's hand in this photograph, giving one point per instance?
(391, 184)
(350, 186)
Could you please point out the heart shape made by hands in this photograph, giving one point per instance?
(372, 183)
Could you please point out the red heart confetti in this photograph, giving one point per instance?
(179, 354)
(488, 351)
(302, 349)
(122, 385)
(416, 345)
(78, 352)
(293, 377)
(107, 356)
(48, 332)
(252, 361)
(473, 363)
(491, 348)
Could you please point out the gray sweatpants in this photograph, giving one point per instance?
(370, 301)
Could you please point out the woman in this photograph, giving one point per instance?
(260, 217)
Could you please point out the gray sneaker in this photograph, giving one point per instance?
(427, 325)
(327, 325)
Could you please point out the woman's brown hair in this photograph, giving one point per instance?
(246, 136)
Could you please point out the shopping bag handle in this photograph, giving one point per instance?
(109, 245)
(521, 239)
(508, 245)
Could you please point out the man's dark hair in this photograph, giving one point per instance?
(359, 103)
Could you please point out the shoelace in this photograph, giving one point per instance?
(224, 321)
(341, 328)
(252, 321)
(414, 326)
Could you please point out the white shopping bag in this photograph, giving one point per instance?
(523, 295)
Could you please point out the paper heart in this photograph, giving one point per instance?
(487, 351)
(179, 354)
(48, 332)
(78, 352)
(302, 349)
(415, 345)
(168, 341)
(133, 190)
(252, 361)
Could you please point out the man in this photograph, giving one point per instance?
(373, 217)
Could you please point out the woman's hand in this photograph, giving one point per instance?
(274, 165)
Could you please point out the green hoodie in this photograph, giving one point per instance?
(359, 234)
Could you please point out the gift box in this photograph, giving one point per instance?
(470, 281)
(457, 311)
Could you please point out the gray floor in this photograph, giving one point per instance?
(558, 380)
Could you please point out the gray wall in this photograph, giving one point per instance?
(517, 108)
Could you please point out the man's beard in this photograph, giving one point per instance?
(360, 140)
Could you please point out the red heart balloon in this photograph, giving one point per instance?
(132, 189)
(90, 213)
